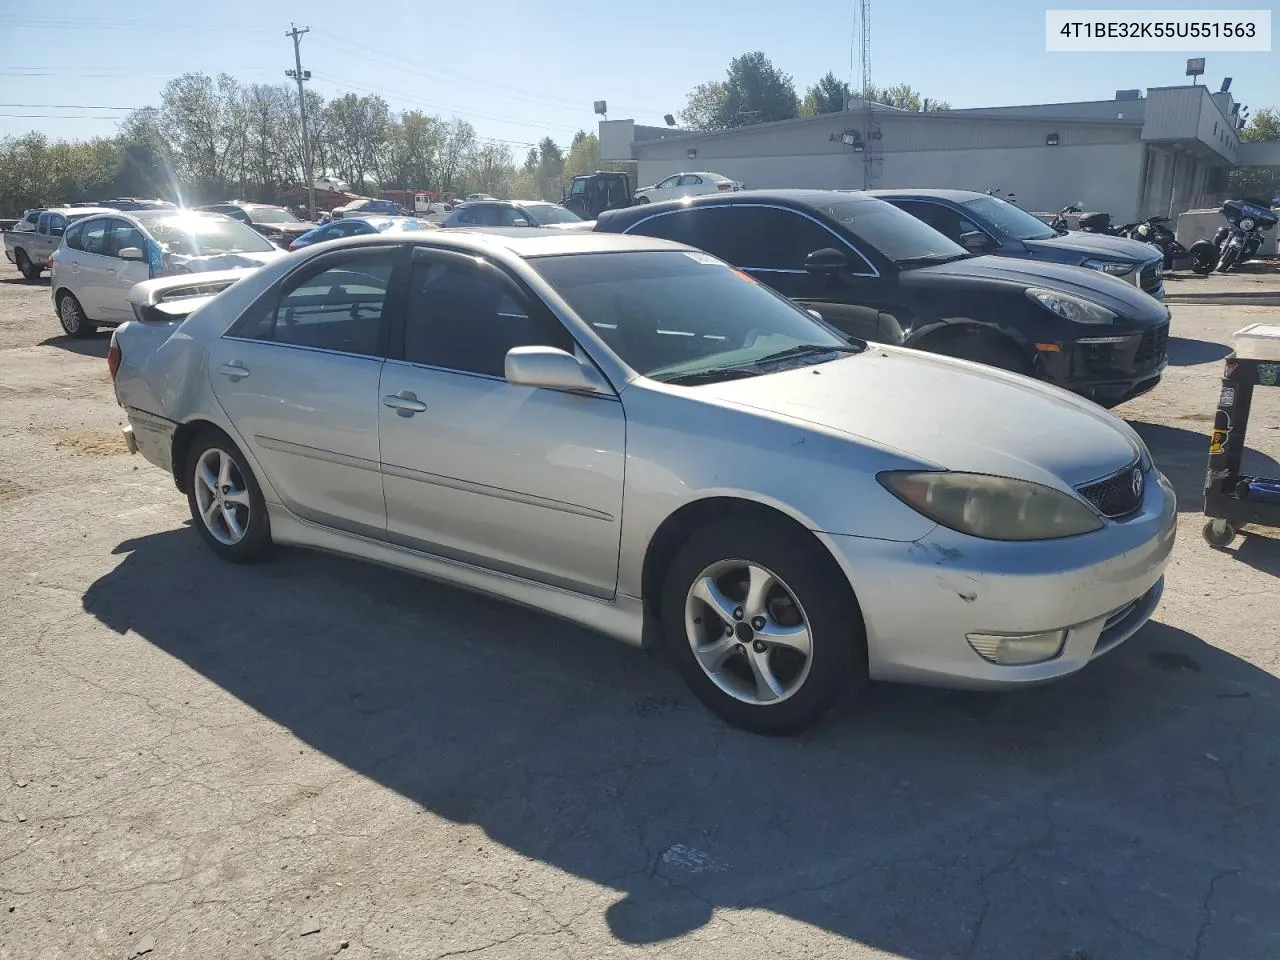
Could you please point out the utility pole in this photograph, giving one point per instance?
(300, 75)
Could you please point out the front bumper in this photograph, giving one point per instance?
(921, 600)
(1108, 368)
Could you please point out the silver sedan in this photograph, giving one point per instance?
(635, 436)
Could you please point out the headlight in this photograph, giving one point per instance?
(1110, 266)
(994, 508)
(1072, 308)
(1247, 224)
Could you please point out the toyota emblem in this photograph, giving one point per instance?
(1135, 481)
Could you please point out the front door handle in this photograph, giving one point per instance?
(235, 371)
(405, 403)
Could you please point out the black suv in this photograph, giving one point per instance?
(878, 273)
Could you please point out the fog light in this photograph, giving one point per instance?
(1017, 649)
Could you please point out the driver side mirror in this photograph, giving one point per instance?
(975, 241)
(826, 262)
(130, 253)
(550, 368)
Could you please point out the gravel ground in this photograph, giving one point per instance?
(316, 757)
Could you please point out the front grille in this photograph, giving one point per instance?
(1151, 350)
(1152, 276)
(1115, 495)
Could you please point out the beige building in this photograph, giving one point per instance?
(1132, 156)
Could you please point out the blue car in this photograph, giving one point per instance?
(355, 226)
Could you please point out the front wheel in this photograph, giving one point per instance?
(640, 200)
(71, 316)
(226, 502)
(762, 625)
(1230, 256)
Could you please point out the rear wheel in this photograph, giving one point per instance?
(762, 625)
(226, 502)
(30, 271)
(71, 316)
(640, 200)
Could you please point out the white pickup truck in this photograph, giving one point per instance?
(29, 250)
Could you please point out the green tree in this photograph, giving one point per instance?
(1259, 183)
(358, 129)
(904, 97)
(753, 91)
(705, 108)
(584, 155)
(829, 95)
(549, 175)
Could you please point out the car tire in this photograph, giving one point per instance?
(757, 677)
(1228, 260)
(30, 271)
(227, 506)
(985, 350)
(641, 200)
(71, 316)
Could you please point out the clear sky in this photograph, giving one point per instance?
(522, 69)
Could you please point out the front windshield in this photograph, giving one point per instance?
(1009, 221)
(894, 233)
(552, 213)
(205, 235)
(670, 314)
(273, 215)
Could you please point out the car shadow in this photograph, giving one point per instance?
(94, 346)
(1183, 456)
(1095, 817)
(1186, 352)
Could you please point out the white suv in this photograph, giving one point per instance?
(103, 256)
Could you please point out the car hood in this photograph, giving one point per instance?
(226, 261)
(289, 229)
(1093, 246)
(946, 413)
(1116, 295)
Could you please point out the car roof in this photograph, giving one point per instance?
(523, 242)
(810, 199)
(959, 196)
(77, 211)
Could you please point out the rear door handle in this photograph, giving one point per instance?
(235, 370)
(405, 403)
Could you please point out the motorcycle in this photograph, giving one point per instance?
(1241, 238)
(1155, 231)
(1059, 222)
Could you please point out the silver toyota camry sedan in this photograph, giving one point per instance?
(633, 435)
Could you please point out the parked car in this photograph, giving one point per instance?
(985, 224)
(366, 207)
(783, 527)
(130, 204)
(29, 249)
(588, 195)
(509, 213)
(358, 226)
(28, 220)
(471, 197)
(104, 255)
(277, 224)
(686, 185)
(878, 273)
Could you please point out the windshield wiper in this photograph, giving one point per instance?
(932, 260)
(810, 350)
(711, 375)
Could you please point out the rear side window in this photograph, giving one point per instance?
(338, 308)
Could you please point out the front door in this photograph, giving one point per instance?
(298, 377)
(90, 267)
(515, 479)
(119, 275)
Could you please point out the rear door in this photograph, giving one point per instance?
(298, 377)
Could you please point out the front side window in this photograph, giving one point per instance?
(545, 213)
(73, 236)
(124, 234)
(1010, 221)
(690, 180)
(672, 315)
(669, 182)
(338, 308)
(42, 225)
(464, 319)
(205, 235)
(895, 234)
(57, 224)
(514, 217)
(578, 189)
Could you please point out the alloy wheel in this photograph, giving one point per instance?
(221, 496)
(70, 315)
(748, 632)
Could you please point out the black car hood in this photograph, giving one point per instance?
(288, 229)
(1096, 246)
(1123, 299)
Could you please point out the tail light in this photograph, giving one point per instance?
(724, 186)
(48, 264)
(293, 245)
(113, 358)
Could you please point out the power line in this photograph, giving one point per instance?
(64, 106)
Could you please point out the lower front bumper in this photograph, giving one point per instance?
(1108, 368)
(921, 600)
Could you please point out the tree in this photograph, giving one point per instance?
(549, 175)
(1263, 125)
(904, 97)
(829, 95)
(584, 155)
(1259, 183)
(456, 153)
(358, 128)
(705, 107)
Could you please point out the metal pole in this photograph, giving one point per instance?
(296, 34)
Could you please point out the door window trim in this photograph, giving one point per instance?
(393, 305)
(767, 206)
